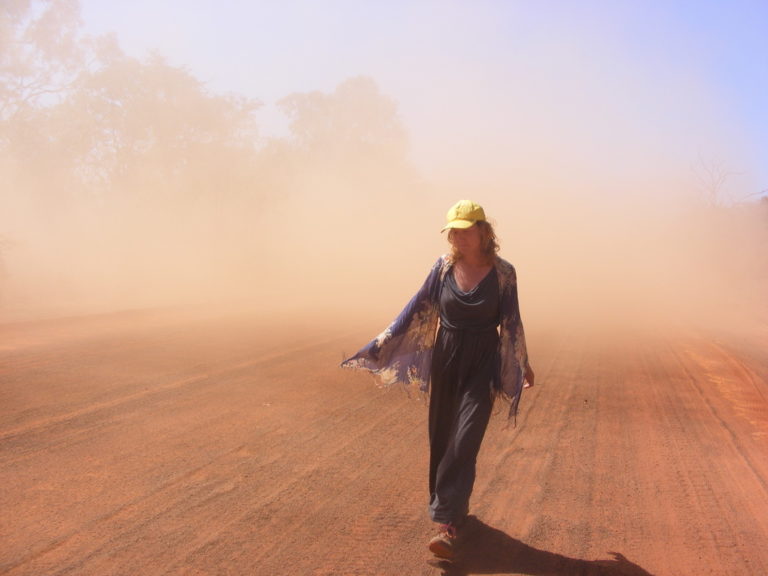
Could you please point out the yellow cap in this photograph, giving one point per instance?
(463, 214)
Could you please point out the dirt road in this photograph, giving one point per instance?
(150, 444)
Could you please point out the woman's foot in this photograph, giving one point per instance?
(443, 545)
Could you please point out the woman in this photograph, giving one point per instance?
(460, 339)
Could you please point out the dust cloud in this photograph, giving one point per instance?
(338, 242)
(136, 187)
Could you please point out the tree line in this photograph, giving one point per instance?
(100, 147)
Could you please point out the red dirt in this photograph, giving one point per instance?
(148, 444)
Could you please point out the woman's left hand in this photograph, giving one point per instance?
(529, 377)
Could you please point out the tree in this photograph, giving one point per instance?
(136, 172)
(40, 54)
(356, 120)
(713, 176)
(141, 124)
(96, 146)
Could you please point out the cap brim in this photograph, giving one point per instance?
(459, 224)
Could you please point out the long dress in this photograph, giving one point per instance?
(464, 362)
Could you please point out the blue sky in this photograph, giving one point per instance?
(606, 92)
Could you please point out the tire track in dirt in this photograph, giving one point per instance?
(309, 430)
(47, 438)
(703, 472)
(618, 454)
(64, 418)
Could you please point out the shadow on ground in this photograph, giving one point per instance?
(485, 550)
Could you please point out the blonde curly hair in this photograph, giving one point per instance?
(488, 241)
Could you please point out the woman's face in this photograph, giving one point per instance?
(467, 240)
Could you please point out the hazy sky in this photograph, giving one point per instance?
(628, 86)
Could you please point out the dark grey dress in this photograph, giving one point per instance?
(463, 364)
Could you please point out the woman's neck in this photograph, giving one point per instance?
(475, 260)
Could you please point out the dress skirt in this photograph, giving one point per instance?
(460, 407)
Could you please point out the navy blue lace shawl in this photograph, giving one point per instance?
(402, 353)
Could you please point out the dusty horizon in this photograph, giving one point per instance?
(579, 259)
